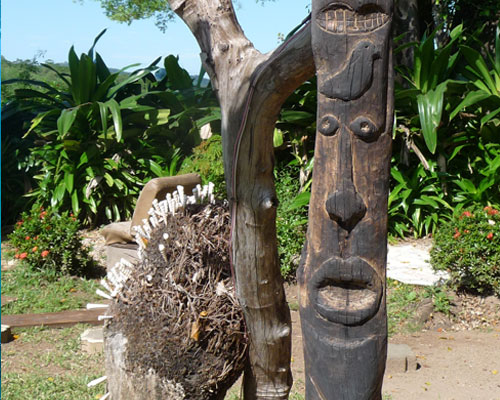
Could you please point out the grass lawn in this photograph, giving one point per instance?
(44, 363)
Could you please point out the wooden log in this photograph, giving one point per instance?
(342, 272)
(54, 320)
(251, 87)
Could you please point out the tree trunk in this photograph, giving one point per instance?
(342, 272)
(251, 88)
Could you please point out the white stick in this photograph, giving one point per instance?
(97, 381)
(93, 306)
(103, 294)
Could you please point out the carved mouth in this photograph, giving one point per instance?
(346, 291)
(340, 18)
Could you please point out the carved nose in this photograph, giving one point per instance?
(346, 207)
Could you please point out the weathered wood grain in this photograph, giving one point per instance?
(55, 319)
(251, 88)
(342, 272)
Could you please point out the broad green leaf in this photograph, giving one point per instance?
(466, 185)
(103, 112)
(162, 116)
(114, 107)
(66, 120)
(116, 212)
(398, 176)
(295, 116)
(75, 203)
(101, 68)
(213, 116)
(91, 50)
(69, 179)
(74, 67)
(33, 94)
(430, 109)
(109, 179)
(58, 193)
(301, 200)
(178, 78)
(489, 116)
(277, 138)
(477, 62)
(38, 119)
(109, 213)
(87, 78)
(469, 100)
(155, 168)
(134, 77)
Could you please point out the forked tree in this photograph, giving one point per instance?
(342, 273)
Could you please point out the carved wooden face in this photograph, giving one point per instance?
(342, 274)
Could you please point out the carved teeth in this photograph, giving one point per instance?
(338, 18)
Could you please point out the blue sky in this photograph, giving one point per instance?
(52, 26)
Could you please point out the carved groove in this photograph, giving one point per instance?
(329, 125)
(356, 77)
(347, 291)
(340, 18)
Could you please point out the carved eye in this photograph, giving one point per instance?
(329, 125)
(365, 129)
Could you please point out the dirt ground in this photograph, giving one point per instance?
(459, 365)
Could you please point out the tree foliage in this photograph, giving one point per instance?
(130, 10)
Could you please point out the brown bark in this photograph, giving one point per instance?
(342, 272)
(251, 87)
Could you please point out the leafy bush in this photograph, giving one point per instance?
(468, 246)
(416, 202)
(101, 139)
(48, 241)
(207, 161)
(291, 221)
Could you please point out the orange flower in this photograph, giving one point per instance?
(34, 249)
(44, 253)
(27, 238)
(43, 214)
(23, 255)
(489, 236)
(457, 234)
(466, 231)
(466, 214)
(19, 223)
(16, 255)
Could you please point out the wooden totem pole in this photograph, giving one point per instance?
(342, 272)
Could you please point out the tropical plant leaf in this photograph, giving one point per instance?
(66, 120)
(178, 78)
(430, 109)
(114, 107)
(470, 99)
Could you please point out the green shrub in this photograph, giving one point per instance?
(48, 241)
(468, 247)
(291, 222)
(101, 137)
(207, 161)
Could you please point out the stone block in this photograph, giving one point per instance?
(400, 358)
(92, 340)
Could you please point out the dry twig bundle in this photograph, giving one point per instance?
(177, 309)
